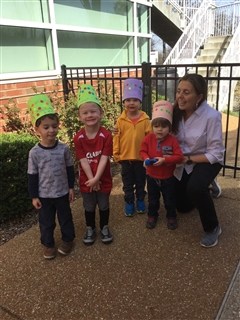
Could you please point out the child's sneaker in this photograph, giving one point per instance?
(172, 223)
(65, 248)
(129, 209)
(90, 236)
(140, 206)
(49, 253)
(151, 222)
(106, 235)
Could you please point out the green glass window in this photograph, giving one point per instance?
(87, 49)
(102, 14)
(28, 10)
(143, 49)
(143, 18)
(26, 49)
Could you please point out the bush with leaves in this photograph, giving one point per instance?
(14, 199)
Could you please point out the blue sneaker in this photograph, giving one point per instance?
(140, 206)
(129, 209)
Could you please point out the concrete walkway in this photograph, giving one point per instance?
(144, 274)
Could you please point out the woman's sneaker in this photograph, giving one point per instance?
(106, 235)
(215, 189)
(90, 236)
(210, 239)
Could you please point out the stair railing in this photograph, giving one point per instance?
(232, 54)
(185, 9)
(216, 21)
(226, 19)
(193, 36)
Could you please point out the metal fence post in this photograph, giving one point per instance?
(147, 96)
(64, 82)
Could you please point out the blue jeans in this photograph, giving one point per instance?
(47, 223)
(155, 188)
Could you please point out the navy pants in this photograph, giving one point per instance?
(47, 220)
(192, 191)
(134, 180)
(155, 188)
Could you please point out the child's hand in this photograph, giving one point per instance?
(36, 203)
(71, 195)
(145, 163)
(159, 162)
(97, 187)
(93, 184)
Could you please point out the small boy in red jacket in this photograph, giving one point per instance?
(161, 152)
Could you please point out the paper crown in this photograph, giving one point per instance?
(86, 93)
(133, 88)
(162, 109)
(38, 106)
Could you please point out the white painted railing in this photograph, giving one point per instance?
(208, 20)
(193, 36)
(232, 54)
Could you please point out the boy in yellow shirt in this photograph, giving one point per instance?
(131, 127)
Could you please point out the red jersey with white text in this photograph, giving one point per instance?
(92, 150)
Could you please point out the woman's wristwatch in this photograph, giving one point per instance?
(189, 160)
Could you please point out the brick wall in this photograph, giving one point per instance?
(19, 93)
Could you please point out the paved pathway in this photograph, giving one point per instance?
(144, 274)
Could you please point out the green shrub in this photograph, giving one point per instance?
(14, 199)
(16, 145)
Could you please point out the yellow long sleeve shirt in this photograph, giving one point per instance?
(127, 142)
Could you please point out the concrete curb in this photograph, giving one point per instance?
(230, 308)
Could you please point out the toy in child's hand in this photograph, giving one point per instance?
(149, 162)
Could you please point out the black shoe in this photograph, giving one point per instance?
(172, 223)
(151, 222)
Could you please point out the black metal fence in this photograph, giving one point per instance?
(160, 82)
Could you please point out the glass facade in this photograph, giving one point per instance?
(28, 10)
(26, 49)
(110, 15)
(88, 49)
(41, 35)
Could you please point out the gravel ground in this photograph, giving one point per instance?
(143, 274)
(10, 229)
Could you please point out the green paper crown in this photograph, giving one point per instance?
(38, 106)
(86, 93)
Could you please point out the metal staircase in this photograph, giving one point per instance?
(202, 22)
(211, 35)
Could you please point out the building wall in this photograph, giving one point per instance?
(18, 93)
(37, 37)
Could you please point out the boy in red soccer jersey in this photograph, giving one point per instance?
(93, 146)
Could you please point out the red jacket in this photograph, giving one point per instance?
(168, 149)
